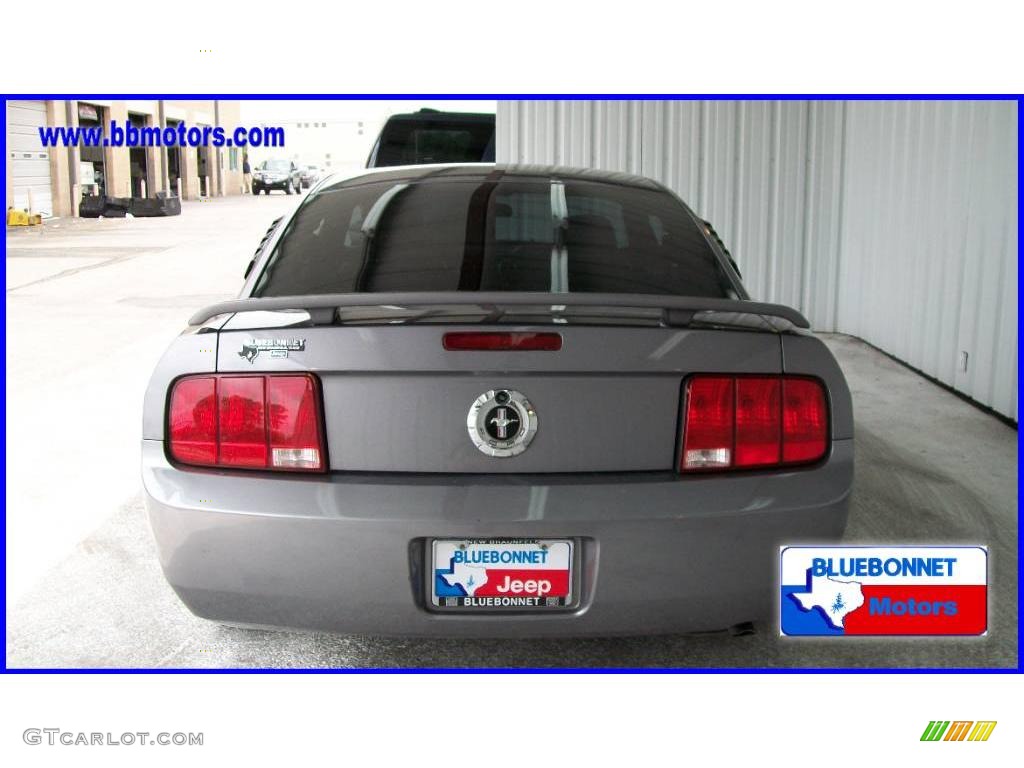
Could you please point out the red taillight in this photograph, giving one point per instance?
(710, 423)
(758, 422)
(242, 421)
(254, 422)
(193, 420)
(740, 422)
(293, 416)
(501, 341)
(804, 420)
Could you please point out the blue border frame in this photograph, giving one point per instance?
(1019, 98)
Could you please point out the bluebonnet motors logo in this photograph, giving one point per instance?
(884, 591)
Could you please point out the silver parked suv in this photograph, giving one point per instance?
(471, 400)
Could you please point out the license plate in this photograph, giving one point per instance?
(502, 573)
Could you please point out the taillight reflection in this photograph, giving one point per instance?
(192, 418)
(294, 422)
(710, 424)
(804, 421)
(742, 422)
(758, 422)
(241, 420)
(255, 422)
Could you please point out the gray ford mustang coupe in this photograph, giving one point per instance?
(486, 400)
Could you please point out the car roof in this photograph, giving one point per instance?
(487, 172)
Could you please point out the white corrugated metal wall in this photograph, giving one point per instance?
(892, 221)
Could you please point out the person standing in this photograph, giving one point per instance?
(246, 174)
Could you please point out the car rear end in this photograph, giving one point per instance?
(308, 176)
(458, 435)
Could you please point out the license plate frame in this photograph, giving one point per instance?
(445, 596)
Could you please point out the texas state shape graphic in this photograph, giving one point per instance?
(469, 577)
(832, 597)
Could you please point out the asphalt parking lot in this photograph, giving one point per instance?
(92, 304)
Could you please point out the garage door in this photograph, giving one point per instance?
(30, 161)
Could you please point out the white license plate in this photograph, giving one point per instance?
(502, 573)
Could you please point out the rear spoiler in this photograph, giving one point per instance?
(322, 307)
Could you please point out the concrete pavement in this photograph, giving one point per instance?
(91, 306)
(84, 586)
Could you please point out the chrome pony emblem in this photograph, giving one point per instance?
(501, 423)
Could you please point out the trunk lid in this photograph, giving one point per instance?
(396, 401)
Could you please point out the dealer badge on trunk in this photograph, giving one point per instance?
(501, 423)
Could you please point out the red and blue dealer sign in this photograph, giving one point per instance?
(884, 590)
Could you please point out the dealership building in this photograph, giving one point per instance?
(53, 180)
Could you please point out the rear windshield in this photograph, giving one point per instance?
(412, 142)
(481, 235)
(276, 165)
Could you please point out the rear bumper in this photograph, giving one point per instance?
(349, 552)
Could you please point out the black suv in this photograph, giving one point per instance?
(276, 174)
(429, 136)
